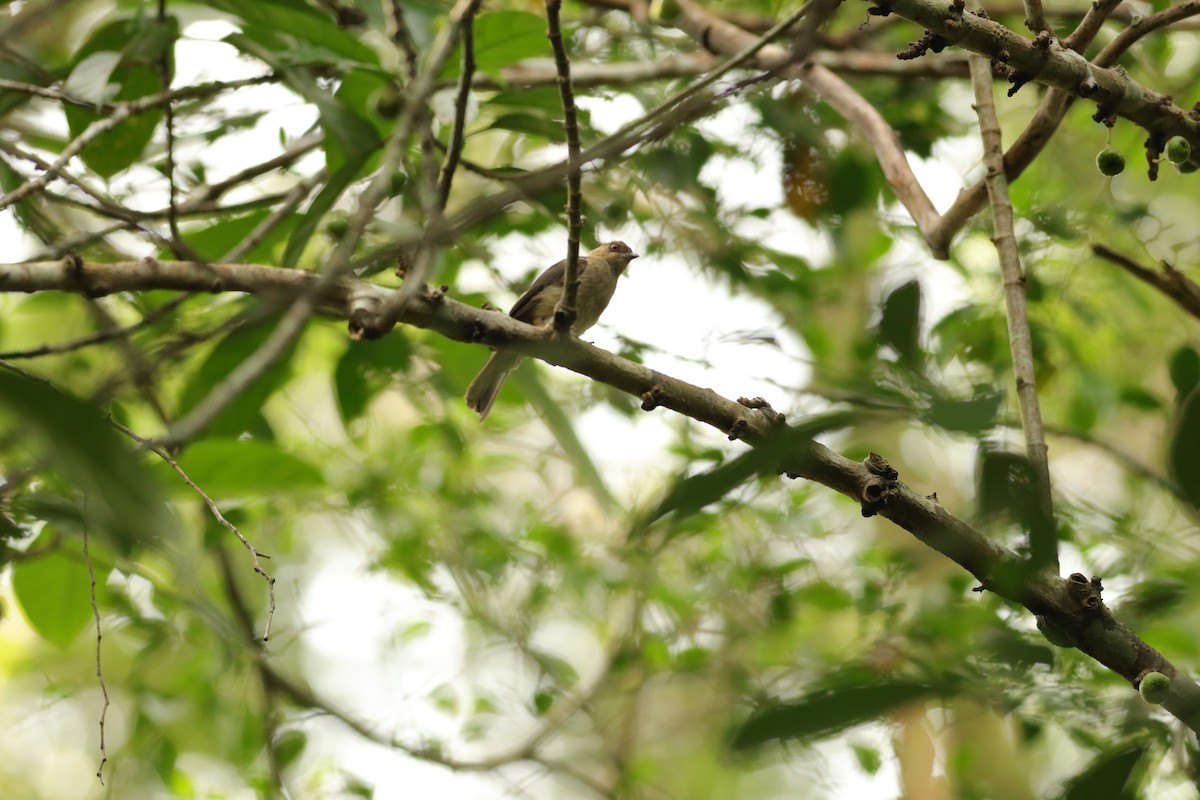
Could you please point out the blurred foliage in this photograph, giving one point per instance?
(682, 620)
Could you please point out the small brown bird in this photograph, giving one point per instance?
(598, 273)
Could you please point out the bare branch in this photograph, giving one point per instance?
(1043, 535)
(465, 82)
(1044, 61)
(1082, 36)
(164, 74)
(1170, 281)
(1035, 16)
(1073, 605)
(564, 314)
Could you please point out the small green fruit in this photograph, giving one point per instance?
(1155, 688)
(1110, 163)
(337, 227)
(1187, 167)
(388, 102)
(1178, 150)
(663, 11)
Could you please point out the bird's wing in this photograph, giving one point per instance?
(553, 276)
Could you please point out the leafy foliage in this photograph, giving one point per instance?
(634, 603)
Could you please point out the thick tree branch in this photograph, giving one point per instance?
(1044, 61)
(1070, 607)
(1043, 535)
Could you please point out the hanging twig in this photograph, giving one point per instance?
(217, 515)
(87, 557)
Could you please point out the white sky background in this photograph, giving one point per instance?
(343, 648)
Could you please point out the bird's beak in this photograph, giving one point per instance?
(632, 256)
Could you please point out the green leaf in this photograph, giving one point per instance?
(246, 468)
(367, 368)
(349, 138)
(122, 56)
(967, 416)
(1184, 455)
(243, 413)
(120, 495)
(1184, 368)
(1108, 777)
(54, 592)
(693, 493)
(532, 125)
(298, 21)
(214, 241)
(826, 712)
(318, 208)
(503, 38)
(289, 746)
(900, 326)
(563, 430)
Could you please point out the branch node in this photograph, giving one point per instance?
(738, 429)
(928, 41)
(881, 488)
(876, 493)
(1155, 143)
(760, 404)
(652, 398)
(878, 465)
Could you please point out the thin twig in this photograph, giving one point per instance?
(686, 104)
(465, 80)
(100, 336)
(217, 515)
(1035, 16)
(106, 205)
(1089, 26)
(291, 202)
(1043, 538)
(564, 314)
(1170, 281)
(87, 557)
(164, 71)
(249, 370)
(121, 112)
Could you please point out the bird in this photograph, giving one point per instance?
(598, 273)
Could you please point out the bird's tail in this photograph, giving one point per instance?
(483, 390)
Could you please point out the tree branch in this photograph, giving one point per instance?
(564, 314)
(1072, 607)
(1045, 62)
(1043, 534)
(465, 83)
(1170, 281)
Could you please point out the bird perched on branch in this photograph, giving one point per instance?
(598, 273)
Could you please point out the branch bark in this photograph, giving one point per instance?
(1071, 607)
(1043, 534)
